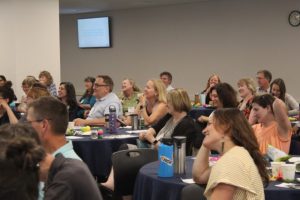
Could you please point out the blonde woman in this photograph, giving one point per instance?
(247, 90)
(152, 104)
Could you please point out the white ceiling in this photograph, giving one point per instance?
(86, 6)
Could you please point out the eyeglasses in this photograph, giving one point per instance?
(99, 85)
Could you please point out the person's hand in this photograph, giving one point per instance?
(79, 122)
(149, 137)
(3, 104)
(142, 100)
(142, 135)
(202, 119)
(86, 113)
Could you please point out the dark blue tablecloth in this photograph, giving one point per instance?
(195, 113)
(149, 186)
(97, 153)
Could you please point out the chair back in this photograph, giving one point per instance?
(126, 165)
(193, 192)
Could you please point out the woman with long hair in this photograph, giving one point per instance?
(211, 82)
(278, 89)
(87, 100)
(67, 94)
(241, 170)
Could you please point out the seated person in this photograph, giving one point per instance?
(27, 83)
(273, 126)
(278, 90)
(105, 98)
(175, 123)
(212, 81)
(23, 162)
(87, 101)
(247, 90)
(7, 115)
(67, 94)
(46, 79)
(129, 95)
(241, 170)
(152, 104)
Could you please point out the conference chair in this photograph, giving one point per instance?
(126, 165)
(193, 192)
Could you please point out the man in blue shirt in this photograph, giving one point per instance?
(103, 88)
(49, 117)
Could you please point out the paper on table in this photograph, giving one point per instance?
(188, 180)
(117, 136)
(73, 137)
(135, 131)
(285, 185)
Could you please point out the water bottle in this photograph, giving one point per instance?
(165, 156)
(179, 154)
(134, 121)
(112, 119)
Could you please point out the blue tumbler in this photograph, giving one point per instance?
(165, 156)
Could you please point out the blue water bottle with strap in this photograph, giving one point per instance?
(165, 156)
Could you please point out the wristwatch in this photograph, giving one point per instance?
(154, 142)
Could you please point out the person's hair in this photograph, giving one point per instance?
(134, 86)
(168, 74)
(179, 99)
(48, 77)
(250, 83)
(88, 93)
(3, 77)
(6, 92)
(236, 126)
(53, 110)
(267, 74)
(160, 88)
(264, 101)
(108, 81)
(207, 84)
(29, 81)
(20, 154)
(38, 90)
(226, 94)
(71, 94)
(281, 86)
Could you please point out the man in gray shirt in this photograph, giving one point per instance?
(103, 88)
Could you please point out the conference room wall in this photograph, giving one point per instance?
(233, 38)
(29, 39)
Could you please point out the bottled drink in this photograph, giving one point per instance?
(141, 123)
(165, 157)
(112, 119)
(179, 154)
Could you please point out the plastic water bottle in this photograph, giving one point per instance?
(165, 156)
(112, 119)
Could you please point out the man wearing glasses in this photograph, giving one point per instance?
(103, 88)
(264, 78)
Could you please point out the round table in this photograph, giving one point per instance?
(97, 153)
(149, 186)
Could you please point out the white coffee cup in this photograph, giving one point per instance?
(203, 98)
(276, 168)
(71, 125)
(131, 110)
(288, 172)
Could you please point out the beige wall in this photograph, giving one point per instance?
(233, 38)
(29, 39)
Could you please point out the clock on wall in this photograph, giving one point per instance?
(294, 18)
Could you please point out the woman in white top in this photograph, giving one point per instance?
(278, 90)
(241, 170)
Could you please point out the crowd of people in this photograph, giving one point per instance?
(241, 127)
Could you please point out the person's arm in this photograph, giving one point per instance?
(252, 119)
(201, 169)
(12, 118)
(292, 105)
(281, 117)
(148, 135)
(156, 114)
(91, 122)
(223, 191)
(202, 119)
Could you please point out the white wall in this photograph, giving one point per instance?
(29, 39)
(233, 38)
